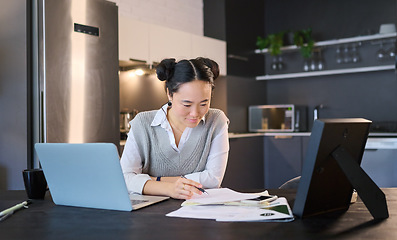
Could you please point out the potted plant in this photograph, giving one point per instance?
(303, 39)
(273, 42)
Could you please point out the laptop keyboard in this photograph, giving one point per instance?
(134, 201)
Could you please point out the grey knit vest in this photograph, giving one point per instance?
(158, 156)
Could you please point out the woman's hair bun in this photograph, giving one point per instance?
(211, 64)
(165, 69)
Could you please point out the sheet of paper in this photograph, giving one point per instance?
(206, 211)
(218, 195)
(278, 210)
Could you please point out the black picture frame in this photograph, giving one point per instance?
(332, 170)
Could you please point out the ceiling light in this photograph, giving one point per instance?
(139, 72)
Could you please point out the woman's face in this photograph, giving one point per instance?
(190, 103)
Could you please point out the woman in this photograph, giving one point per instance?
(184, 145)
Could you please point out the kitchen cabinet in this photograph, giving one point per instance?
(380, 161)
(376, 39)
(381, 166)
(152, 43)
(269, 160)
(243, 22)
(283, 158)
(133, 39)
(245, 164)
(211, 48)
(168, 43)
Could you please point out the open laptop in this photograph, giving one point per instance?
(88, 175)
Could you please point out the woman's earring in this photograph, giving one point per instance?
(169, 103)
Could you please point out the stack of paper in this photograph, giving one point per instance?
(219, 196)
(224, 204)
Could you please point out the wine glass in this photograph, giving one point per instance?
(391, 52)
(346, 54)
(320, 62)
(381, 53)
(338, 55)
(274, 64)
(306, 64)
(313, 63)
(355, 55)
(280, 63)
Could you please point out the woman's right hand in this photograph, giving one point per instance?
(184, 188)
(175, 187)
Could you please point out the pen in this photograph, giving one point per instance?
(200, 189)
(4, 214)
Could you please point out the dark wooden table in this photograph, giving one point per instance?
(44, 220)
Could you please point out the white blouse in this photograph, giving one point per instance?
(211, 177)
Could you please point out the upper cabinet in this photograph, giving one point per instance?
(133, 39)
(211, 48)
(168, 43)
(152, 43)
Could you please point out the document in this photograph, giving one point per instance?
(226, 205)
(218, 196)
(277, 211)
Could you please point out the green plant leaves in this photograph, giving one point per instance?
(302, 38)
(272, 41)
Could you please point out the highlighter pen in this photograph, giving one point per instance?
(201, 189)
(4, 214)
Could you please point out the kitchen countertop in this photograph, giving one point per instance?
(375, 140)
(296, 134)
(241, 135)
(299, 134)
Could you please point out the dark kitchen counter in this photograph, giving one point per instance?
(300, 134)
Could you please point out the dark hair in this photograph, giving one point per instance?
(177, 73)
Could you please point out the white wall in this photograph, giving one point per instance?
(183, 15)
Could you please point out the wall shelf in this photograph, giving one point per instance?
(376, 37)
(326, 72)
(336, 42)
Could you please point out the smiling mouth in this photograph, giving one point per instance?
(192, 120)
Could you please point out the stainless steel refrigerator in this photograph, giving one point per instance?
(75, 68)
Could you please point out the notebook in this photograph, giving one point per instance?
(88, 175)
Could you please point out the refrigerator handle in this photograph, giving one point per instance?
(42, 126)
